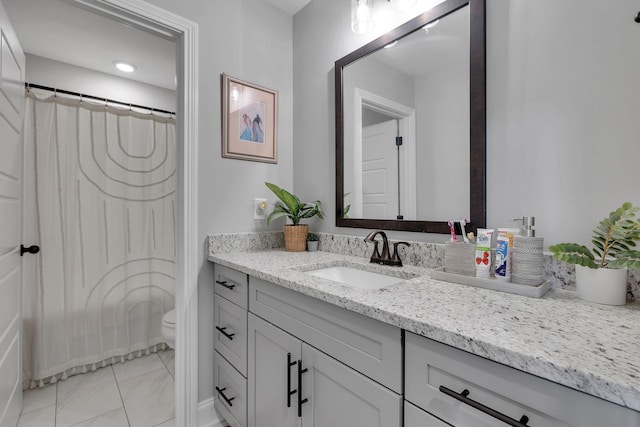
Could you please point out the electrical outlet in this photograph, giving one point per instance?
(259, 209)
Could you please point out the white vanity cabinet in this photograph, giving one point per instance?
(230, 344)
(314, 364)
(333, 394)
(465, 390)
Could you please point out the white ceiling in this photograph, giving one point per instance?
(289, 6)
(57, 30)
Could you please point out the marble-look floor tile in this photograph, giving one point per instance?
(38, 398)
(170, 423)
(113, 418)
(42, 417)
(149, 398)
(82, 397)
(137, 367)
(168, 358)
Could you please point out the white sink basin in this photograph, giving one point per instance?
(356, 278)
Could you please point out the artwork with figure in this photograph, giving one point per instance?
(249, 121)
(251, 124)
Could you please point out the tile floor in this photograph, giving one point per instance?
(138, 393)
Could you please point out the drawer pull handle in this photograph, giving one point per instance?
(225, 398)
(462, 397)
(224, 332)
(301, 401)
(224, 283)
(289, 391)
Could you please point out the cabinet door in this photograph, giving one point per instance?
(273, 356)
(338, 396)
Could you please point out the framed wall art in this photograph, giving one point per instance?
(249, 121)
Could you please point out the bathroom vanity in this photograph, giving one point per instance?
(294, 349)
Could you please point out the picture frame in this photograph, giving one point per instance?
(249, 121)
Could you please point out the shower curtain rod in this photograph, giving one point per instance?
(28, 85)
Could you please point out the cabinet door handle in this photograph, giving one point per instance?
(225, 398)
(289, 391)
(224, 332)
(224, 283)
(301, 401)
(462, 397)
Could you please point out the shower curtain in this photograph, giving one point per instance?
(100, 202)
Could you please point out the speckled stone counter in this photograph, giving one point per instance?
(588, 347)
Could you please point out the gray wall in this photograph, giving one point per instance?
(59, 75)
(562, 96)
(250, 40)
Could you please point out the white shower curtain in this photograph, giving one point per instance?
(100, 202)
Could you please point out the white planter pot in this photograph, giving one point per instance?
(312, 245)
(602, 285)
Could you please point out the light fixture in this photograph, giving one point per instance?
(392, 44)
(126, 67)
(430, 25)
(235, 93)
(402, 5)
(361, 16)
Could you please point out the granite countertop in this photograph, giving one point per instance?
(588, 347)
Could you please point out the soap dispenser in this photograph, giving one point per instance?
(528, 259)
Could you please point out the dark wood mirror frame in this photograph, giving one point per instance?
(477, 103)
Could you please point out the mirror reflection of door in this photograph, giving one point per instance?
(379, 165)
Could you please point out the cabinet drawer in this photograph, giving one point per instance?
(230, 339)
(366, 345)
(430, 365)
(230, 392)
(416, 417)
(231, 284)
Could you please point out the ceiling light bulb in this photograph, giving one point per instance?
(125, 66)
(431, 24)
(402, 5)
(361, 16)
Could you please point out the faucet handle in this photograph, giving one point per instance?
(396, 257)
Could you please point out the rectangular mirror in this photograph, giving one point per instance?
(410, 124)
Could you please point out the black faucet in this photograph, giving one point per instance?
(385, 258)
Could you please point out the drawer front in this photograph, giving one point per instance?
(416, 417)
(231, 284)
(229, 383)
(430, 365)
(371, 347)
(230, 339)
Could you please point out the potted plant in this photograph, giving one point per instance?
(312, 242)
(290, 206)
(604, 279)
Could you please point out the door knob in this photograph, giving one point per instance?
(33, 249)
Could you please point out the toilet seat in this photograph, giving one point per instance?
(169, 319)
(168, 328)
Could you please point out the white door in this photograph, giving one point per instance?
(380, 171)
(11, 150)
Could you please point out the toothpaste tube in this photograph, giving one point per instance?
(483, 253)
(503, 264)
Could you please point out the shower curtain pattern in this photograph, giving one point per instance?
(100, 201)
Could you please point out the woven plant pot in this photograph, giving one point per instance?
(295, 237)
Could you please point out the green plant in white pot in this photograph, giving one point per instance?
(312, 242)
(290, 206)
(601, 273)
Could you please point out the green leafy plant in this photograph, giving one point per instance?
(291, 206)
(312, 237)
(612, 241)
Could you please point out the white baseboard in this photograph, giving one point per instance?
(207, 414)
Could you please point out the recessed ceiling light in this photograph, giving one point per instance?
(431, 24)
(125, 66)
(392, 44)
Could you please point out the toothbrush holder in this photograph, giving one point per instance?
(459, 258)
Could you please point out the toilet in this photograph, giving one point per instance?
(169, 328)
